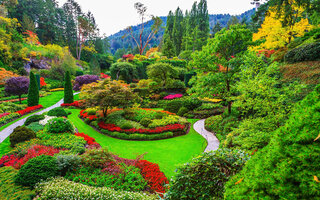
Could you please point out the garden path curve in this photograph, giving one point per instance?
(213, 142)
(7, 131)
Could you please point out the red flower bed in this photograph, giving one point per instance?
(33, 152)
(86, 116)
(152, 174)
(4, 114)
(104, 76)
(112, 127)
(74, 104)
(29, 110)
(42, 82)
(90, 140)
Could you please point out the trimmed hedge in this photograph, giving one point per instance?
(33, 93)
(140, 137)
(21, 134)
(33, 118)
(68, 93)
(308, 52)
(58, 112)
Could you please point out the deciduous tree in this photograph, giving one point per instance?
(17, 86)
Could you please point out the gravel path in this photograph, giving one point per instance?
(7, 131)
(213, 142)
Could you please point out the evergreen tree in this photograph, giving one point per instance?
(33, 92)
(178, 31)
(203, 24)
(170, 23)
(167, 47)
(232, 21)
(68, 93)
(216, 29)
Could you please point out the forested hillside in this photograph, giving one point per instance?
(117, 41)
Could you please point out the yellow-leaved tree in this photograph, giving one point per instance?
(275, 34)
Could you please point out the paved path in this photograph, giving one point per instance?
(213, 142)
(7, 131)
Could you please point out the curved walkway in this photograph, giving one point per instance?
(7, 131)
(213, 142)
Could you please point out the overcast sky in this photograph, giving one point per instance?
(115, 15)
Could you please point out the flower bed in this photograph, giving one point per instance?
(74, 104)
(173, 96)
(88, 139)
(29, 110)
(8, 118)
(4, 114)
(167, 128)
(56, 89)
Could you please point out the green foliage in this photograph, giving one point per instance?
(33, 93)
(21, 134)
(96, 158)
(65, 140)
(9, 107)
(182, 111)
(35, 126)
(59, 187)
(142, 137)
(308, 52)
(37, 169)
(33, 118)
(162, 73)
(190, 103)
(8, 118)
(59, 125)
(204, 177)
(58, 112)
(128, 179)
(67, 163)
(68, 93)
(123, 71)
(145, 122)
(289, 162)
(8, 190)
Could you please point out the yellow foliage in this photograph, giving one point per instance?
(275, 34)
(152, 50)
(56, 89)
(140, 57)
(89, 49)
(5, 75)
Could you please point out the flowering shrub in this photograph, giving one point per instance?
(85, 115)
(46, 119)
(104, 76)
(129, 57)
(62, 140)
(60, 188)
(173, 96)
(8, 118)
(74, 104)
(29, 110)
(85, 79)
(152, 174)
(42, 82)
(88, 139)
(112, 127)
(4, 114)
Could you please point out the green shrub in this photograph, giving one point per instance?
(33, 93)
(308, 52)
(58, 112)
(33, 118)
(60, 188)
(68, 93)
(21, 134)
(59, 125)
(96, 157)
(37, 169)
(67, 162)
(288, 167)
(64, 140)
(9, 107)
(182, 111)
(190, 103)
(163, 94)
(8, 190)
(8, 118)
(126, 125)
(145, 122)
(35, 126)
(204, 177)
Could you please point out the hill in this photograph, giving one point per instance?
(118, 41)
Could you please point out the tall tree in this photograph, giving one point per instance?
(86, 28)
(178, 31)
(157, 22)
(232, 21)
(217, 27)
(204, 28)
(33, 92)
(68, 93)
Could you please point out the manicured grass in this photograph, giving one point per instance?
(167, 153)
(45, 102)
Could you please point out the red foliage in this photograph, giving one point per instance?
(90, 140)
(32, 37)
(74, 104)
(42, 82)
(104, 76)
(267, 53)
(29, 110)
(152, 174)
(33, 152)
(128, 57)
(171, 127)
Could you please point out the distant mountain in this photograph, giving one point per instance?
(118, 41)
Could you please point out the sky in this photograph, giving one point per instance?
(115, 15)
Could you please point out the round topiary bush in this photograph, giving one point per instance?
(21, 134)
(33, 118)
(58, 112)
(59, 125)
(37, 169)
(204, 177)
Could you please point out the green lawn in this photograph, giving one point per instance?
(45, 102)
(167, 153)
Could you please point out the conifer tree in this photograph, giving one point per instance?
(33, 92)
(68, 93)
(178, 31)
(167, 47)
(203, 24)
(216, 29)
